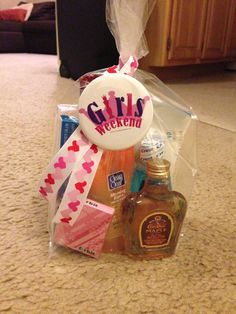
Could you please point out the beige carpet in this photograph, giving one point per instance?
(212, 97)
(200, 278)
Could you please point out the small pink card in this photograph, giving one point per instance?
(88, 233)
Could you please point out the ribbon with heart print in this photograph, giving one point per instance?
(77, 159)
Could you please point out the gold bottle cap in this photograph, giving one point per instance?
(158, 168)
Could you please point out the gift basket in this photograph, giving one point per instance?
(125, 154)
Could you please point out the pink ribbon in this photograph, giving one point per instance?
(79, 159)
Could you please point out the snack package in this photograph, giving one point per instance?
(88, 233)
(124, 118)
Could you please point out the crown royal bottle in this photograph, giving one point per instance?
(153, 217)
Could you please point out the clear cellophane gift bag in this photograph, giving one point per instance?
(171, 136)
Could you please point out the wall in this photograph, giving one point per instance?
(5, 4)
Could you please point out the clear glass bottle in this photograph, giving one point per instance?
(153, 218)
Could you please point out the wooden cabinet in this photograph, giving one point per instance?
(185, 40)
(216, 29)
(191, 32)
(230, 46)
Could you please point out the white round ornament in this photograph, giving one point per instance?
(115, 111)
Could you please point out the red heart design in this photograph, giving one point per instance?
(112, 69)
(66, 219)
(134, 64)
(42, 191)
(73, 205)
(80, 186)
(87, 166)
(49, 179)
(60, 164)
(74, 147)
(94, 148)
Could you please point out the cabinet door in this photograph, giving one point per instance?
(187, 27)
(230, 46)
(216, 28)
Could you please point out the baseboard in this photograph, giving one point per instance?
(231, 66)
(168, 74)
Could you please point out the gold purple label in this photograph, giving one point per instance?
(155, 230)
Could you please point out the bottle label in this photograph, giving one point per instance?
(117, 185)
(116, 180)
(155, 230)
(152, 147)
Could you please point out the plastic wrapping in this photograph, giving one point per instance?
(127, 21)
(172, 135)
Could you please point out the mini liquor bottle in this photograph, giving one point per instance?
(153, 218)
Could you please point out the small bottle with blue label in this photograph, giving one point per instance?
(151, 148)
